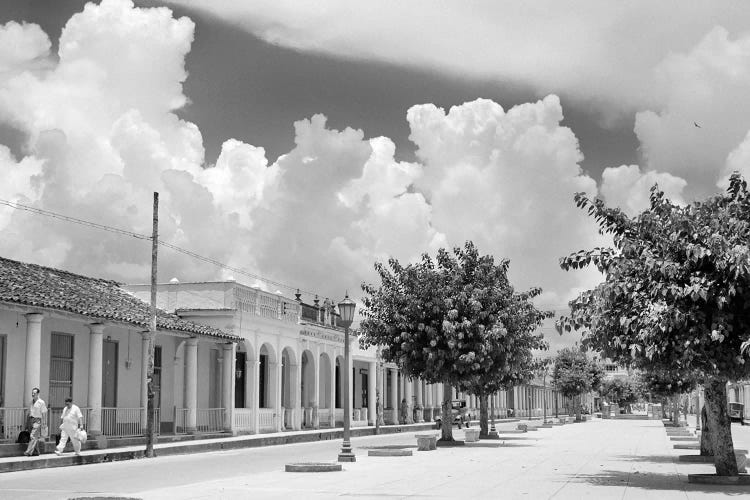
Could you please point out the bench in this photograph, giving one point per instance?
(472, 435)
(426, 442)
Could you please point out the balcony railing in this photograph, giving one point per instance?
(12, 421)
(266, 419)
(125, 422)
(244, 419)
(210, 419)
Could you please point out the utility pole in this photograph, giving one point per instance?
(152, 335)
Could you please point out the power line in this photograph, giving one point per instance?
(124, 232)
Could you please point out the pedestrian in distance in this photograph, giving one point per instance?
(38, 417)
(72, 423)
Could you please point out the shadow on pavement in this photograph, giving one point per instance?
(484, 444)
(657, 459)
(654, 481)
(387, 447)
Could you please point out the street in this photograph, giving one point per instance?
(630, 459)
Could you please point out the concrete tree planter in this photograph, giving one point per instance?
(313, 467)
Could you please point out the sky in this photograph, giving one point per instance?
(304, 141)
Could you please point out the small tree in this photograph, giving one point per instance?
(622, 391)
(510, 351)
(575, 374)
(676, 294)
(437, 319)
(669, 386)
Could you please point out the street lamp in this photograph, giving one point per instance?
(346, 311)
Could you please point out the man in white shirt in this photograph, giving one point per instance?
(38, 416)
(72, 421)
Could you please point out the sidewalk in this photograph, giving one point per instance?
(19, 463)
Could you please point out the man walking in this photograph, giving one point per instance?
(72, 421)
(38, 416)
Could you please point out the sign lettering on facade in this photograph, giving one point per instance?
(316, 334)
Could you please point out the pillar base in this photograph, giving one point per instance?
(347, 457)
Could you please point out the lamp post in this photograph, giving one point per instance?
(346, 310)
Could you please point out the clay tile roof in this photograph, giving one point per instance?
(99, 299)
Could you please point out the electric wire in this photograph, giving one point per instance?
(125, 232)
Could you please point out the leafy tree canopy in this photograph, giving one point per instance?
(622, 391)
(662, 383)
(450, 320)
(575, 373)
(676, 294)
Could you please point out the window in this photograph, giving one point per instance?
(61, 369)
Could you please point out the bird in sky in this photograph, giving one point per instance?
(696, 125)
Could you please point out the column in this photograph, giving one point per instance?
(227, 393)
(372, 378)
(316, 392)
(191, 384)
(252, 394)
(419, 400)
(394, 395)
(33, 373)
(350, 387)
(96, 349)
(334, 383)
(277, 395)
(145, 336)
(296, 395)
(429, 401)
(409, 396)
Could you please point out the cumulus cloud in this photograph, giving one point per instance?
(629, 188)
(100, 142)
(706, 111)
(21, 46)
(601, 52)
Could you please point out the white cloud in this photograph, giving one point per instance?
(506, 181)
(21, 45)
(100, 143)
(706, 111)
(628, 188)
(598, 51)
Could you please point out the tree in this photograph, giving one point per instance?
(511, 360)
(676, 294)
(438, 319)
(574, 374)
(622, 391)
(668, 386)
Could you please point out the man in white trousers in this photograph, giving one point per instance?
(72, 420)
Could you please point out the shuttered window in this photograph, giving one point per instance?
(61, 369)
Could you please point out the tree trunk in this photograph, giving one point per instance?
(578, 407)
(446, 425)
(483, 416)
(663, 408)
(707, 448)
(721, 427)
(676, 410)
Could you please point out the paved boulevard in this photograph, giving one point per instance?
(602, 459)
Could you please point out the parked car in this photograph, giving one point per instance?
(459, 412)
(736, 412)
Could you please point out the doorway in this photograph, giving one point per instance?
(109, 374)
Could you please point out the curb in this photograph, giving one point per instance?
(198, 446)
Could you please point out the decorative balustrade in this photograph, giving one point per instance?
(180, 420)
(324, 417)
(12, 421)
(209, 419)
(243, 419)
(125, 422)
(266, 419)
(338, 415)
